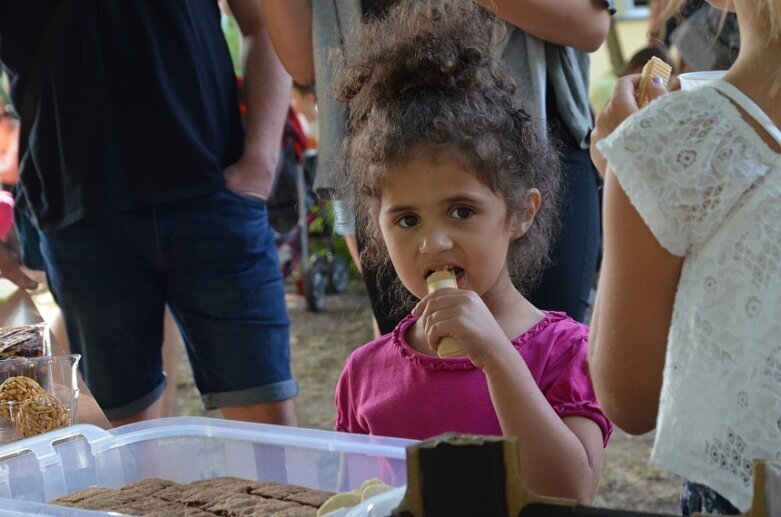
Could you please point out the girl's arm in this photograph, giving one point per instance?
(558, 457)
(289, 24)
(582, 24)
(632, 315)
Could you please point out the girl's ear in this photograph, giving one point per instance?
(523, 221)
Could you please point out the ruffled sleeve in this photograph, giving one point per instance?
(677, 160)
(568, 387)
(346, 417)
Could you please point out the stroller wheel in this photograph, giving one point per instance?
(315, 285)
(338, 275)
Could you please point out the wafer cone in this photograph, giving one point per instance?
(655, 67)
(448, 347)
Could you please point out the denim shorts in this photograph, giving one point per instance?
(211, 259)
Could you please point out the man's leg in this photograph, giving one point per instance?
(283, 412)
(225, 290)
(566, 284)
(164, 406)
(110, 295)
(148, 413)
(172, 352)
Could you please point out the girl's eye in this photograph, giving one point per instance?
(462, 212)
(408, 221)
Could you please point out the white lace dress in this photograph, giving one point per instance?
(709, 188)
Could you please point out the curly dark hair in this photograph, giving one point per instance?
(423, 79)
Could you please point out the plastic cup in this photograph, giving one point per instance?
(694, 80)
(58, 378)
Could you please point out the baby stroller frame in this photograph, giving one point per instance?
(291, 205)
(323, 273)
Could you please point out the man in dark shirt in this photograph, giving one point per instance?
(148, 192)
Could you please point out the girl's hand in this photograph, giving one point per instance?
(463, 316)
(622, 104)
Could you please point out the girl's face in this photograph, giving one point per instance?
(434, 214)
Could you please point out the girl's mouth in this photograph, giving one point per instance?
(457, 271)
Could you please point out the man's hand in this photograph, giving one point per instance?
(250, 178)
(621, 105)
(9, 268)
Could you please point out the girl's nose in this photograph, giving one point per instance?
(434, 241)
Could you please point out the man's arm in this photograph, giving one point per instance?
(582, 24)
(289, 23)
(268, 97)
(9, 268)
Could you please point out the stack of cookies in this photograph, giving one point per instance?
(225, 496)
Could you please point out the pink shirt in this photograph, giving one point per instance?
(6, 214)
(388, 388)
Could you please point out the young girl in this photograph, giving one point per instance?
(686, 333)
(546, 51)
(448, 174)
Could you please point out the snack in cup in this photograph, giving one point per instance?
(41, 414)
(448, 347)
(24, 341)
(655, 67)
(17, 389)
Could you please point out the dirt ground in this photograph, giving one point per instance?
(321, 342)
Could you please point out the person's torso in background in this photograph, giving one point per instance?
(138, 103)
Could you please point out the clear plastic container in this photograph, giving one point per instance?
(185, 449)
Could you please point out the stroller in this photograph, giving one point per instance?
(299, 218)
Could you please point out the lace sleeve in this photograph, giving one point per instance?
(680, 162)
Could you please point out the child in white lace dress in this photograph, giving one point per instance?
(686, 336)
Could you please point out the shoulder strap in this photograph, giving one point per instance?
(28, 106)
(745, 102)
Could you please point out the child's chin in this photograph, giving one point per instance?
(417, 292)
